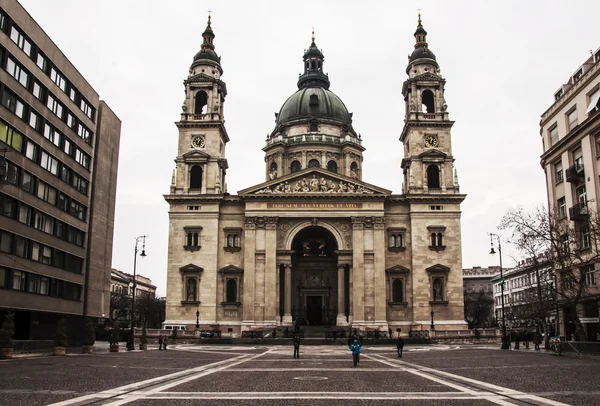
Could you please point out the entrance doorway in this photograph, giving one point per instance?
(314, 310)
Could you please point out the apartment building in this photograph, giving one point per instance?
(60, 148)
(570, 131)
(478, 294)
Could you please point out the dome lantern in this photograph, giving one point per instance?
(313, 75)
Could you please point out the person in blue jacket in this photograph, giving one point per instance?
(355, 348)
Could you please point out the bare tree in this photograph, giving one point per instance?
(149, 310)
(479, 306)
(562, 255)
(120, 305)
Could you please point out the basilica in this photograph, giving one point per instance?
(314, 244)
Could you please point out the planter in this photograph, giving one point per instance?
(114, 348)
(59, 350)
(6, 353)
(87, 349)
(143, 346)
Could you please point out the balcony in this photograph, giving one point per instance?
(575, 173)
(579, 212)
(200, 117)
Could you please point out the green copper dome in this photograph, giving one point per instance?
(313, 103)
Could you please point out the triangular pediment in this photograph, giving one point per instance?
(195, 156)
(201, 77)
(438, 268)
(315, 181)
(190, 268)
(433, 153)
(231, 269)
(427, 76)
(397, 269)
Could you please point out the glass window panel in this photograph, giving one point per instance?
(6, 240)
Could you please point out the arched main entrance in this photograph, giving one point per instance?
(314, 278)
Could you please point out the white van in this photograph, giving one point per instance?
(174, 327)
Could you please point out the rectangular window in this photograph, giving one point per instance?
(32, 151)
(11, 102)
(63, 202)
(86, 108)
(3, 271)
(65, 174)
(33, 284)
(59, 260)
(80, 184)
(68, 147)
(37, 90)
(72, 291)
(21, 247)
(44, 285)
(25, 214)
(46, 255)
(18, 280)
(56, 288)
(40, 61)
(34, 120)
(83, 132)
(44, 223)
(577, 75)
(59, 79)
(82, 158)
(15, 70)
(49, 163)
(46, 192)
(76, 236)
(572, 120)
(559, 172)
(72, 94)
(6, 240)
(590, 276)
(585, 237)
(19, 39)
(11, 137)
(553, 134)
(78, 210)
(12, 173)
(8, 206)
(27, 182)
(55, 106)
(73, 263)
(53, 135)
(70, 120)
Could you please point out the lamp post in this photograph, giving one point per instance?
(492, 252)
(432, 325)
(131, 343)
(197, 319)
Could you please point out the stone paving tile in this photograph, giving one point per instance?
(291, 363)
(31, 399)
(356, 380)
(578, 400)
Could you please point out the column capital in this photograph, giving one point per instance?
(271, 222)
(250, 223)
(341, 267)
(357, 222)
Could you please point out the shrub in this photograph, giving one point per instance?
(89, 334)
(174, 334)
(144, 337)
(116, 335)
(477, 334)
(60, 337)
(7, 331)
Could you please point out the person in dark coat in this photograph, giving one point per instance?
(296, 347)
(160, 342)
(165, 341)
(526, 339)
(517, 339)
(400, 346)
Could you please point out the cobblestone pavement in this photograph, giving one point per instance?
(324, 375)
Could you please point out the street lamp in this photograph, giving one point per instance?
(131, 343)
(492, 252)
(197, 319)
(432, 326)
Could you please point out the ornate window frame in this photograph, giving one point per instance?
(438, 272)
(436, 243)
(232, 272)
(192, 243)
(397, 272)
(399, 237)
(232, 239)
(190, 272)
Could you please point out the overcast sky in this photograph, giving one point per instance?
(503, 61)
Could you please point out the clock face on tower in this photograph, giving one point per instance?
(431, 141)
(198, 141)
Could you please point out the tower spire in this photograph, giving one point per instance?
(420, 33)
(313, 35)
(208, 35)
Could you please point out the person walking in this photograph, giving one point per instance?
(296, 347)
(517, 339)
(165, 340)
(355, 348)
(400, 346)
(537, 340)
(526, 339)
(160, 342)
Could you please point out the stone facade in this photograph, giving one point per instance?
(314, 243)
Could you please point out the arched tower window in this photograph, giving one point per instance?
(296, 166)
(354, 170)
(397, 291)
(313, 65)
(332, 166)
(428, 101)
(231, 291)
(196, 177)
(273, 170)
(433, 177)
(200, 102)
(313, 163)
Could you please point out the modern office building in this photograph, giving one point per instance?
(314, 243)
(60, 149)
(570, 131)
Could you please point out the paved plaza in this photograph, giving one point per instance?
(324, 375)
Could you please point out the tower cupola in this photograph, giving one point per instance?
(207, 54)
(313, 75)
(422, 53)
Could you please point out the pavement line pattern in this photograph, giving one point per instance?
(214, 367)
(497, 394)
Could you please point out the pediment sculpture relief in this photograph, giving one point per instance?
(314, 185)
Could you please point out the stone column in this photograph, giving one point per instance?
(271, 270)
(358, 270)
(287, 304)
(341, 316)
(249, 266)
(379, 271)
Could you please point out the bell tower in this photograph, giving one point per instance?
(201, 164)
(428, 163)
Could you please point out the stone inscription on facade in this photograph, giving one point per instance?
(312, 206)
